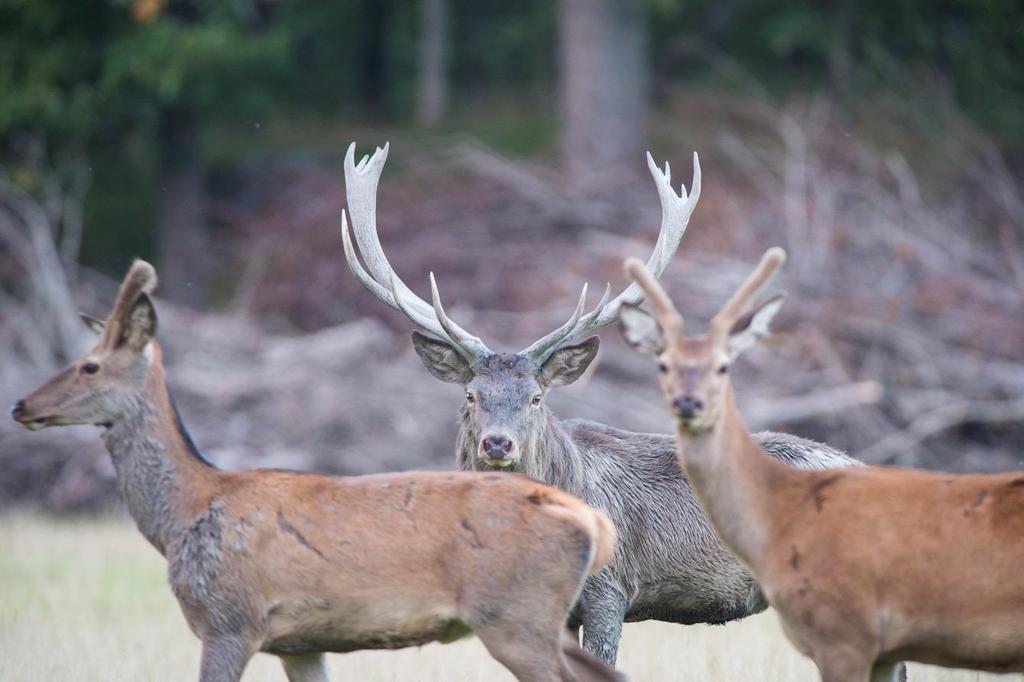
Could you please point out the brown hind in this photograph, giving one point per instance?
(298, 564)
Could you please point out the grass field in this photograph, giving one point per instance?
(87, 600)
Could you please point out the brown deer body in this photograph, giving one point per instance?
(866, 567)
(299, 564)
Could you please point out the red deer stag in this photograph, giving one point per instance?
(298, 564)
(669, 565)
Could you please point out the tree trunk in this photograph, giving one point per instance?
(432, 95)
(373, 70)
(184, 242)
(604, 87)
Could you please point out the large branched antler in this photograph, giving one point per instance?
(675, 216)
(382, 281)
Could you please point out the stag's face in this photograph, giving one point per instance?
(96, 388)
(504, 413)
(504, 406)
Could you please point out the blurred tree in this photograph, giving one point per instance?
(86, 77)
(118, 96)
(432, 93)
(604, 85)
(189, 56)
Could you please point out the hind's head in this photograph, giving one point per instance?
(96, 388)
(695, 369)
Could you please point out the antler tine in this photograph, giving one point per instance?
(467, 342)
(771, 261)
(385, 294)
(550, 341)
(676, 210)
(359, 271)
(378, 276)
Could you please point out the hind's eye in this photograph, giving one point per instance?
(723, 369)
(90, 368)
(469, 397)
(536, 399)
(662, 367)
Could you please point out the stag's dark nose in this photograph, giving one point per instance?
(497, 447)
(687, 406)
(18, 409)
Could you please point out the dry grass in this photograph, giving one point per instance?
(86, 600)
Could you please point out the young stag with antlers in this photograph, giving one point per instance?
(858, 562)
(669, 564)
(299, 564)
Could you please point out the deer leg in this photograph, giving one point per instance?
(529, 654)
(844, 666)
(604, 609)
(889, 672)
(583, 666)
(224, 658)
(305, 667)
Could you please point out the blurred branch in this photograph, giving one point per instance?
(814, 404)
(892, 446)
(33, 244)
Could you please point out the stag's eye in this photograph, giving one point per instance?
(90, 368)
(536, 399)
(723, 369)
(662, 367)
(470, 398)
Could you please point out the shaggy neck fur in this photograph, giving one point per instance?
(733, 478)
(548, 454)
(159, 473)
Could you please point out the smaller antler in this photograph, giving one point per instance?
(664, 310)
(734, 308)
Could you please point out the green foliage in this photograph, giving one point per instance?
(967, 50)
(97, 79)
(82, 71)
(86, 70)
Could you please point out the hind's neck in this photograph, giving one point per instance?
(162, 479)
(734, 479)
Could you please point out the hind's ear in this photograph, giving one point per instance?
(94, 325)
(139, 326)
(568, 364)
(640, 329)
(753, 327)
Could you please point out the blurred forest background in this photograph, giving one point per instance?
(879, 142)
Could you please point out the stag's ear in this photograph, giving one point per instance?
(640, 329)
(568, 364)
(441, 359)
(139, 326)
(94, 325)
(753, 327)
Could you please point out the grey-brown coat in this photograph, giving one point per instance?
(298, 564)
